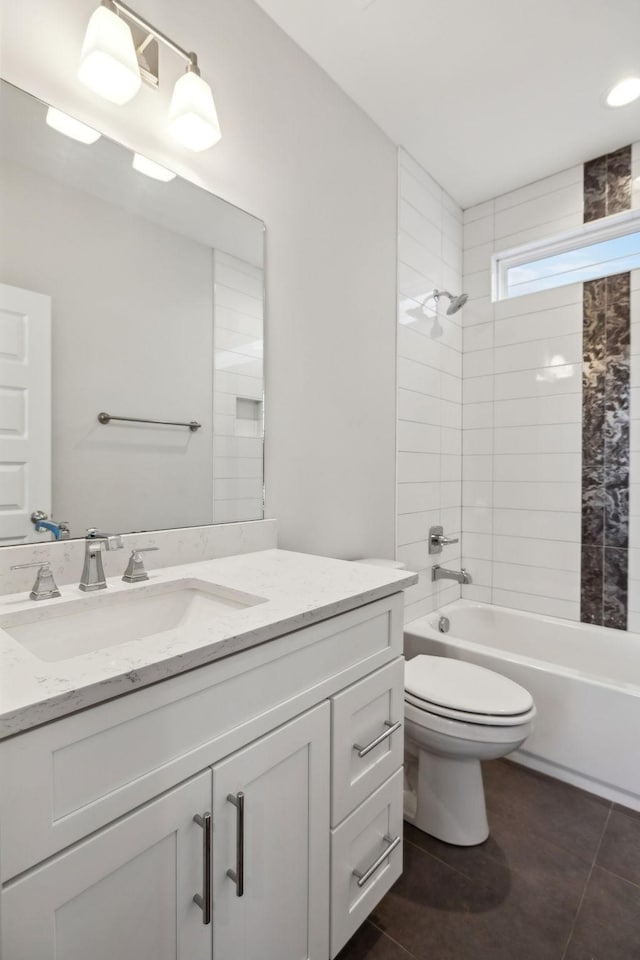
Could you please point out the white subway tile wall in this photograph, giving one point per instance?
(430, 226)
(522, 411)
(238, 389)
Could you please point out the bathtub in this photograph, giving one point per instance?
(585, 681)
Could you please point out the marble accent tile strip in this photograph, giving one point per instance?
(606, 411)
(606, 451)
(607, 184)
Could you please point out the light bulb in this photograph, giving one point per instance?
(108, 63)
(624, 92)
(63, 123)
(193, 119)
(151, 169)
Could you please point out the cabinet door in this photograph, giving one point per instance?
(126, 892)
(283, 912)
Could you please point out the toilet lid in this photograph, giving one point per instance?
(465, 687)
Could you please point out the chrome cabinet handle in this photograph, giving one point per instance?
(204, 901)
(392, 727)
(237, 875)
(364, 876)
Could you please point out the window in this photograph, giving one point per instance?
(599, 249)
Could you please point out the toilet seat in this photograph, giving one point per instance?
(480, 719)
(465, 692)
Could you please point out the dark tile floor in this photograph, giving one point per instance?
(558, 879)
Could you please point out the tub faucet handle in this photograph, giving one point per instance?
(437, 539)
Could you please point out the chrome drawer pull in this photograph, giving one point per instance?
(237, 875)
(392, 727)
(365, 876)
(204, 901)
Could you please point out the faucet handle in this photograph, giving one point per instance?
(135, 571)
(437, 539)
(45, 587)
(111, 541)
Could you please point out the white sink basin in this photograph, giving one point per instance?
(82, 625)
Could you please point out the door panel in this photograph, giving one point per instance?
(126, 892)
(283, 912)
(25, 411)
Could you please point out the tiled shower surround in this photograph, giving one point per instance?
(429, 382)
(551, 428)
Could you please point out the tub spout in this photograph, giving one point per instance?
(440, 573)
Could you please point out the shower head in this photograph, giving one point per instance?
(456, 303)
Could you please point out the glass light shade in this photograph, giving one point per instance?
(624, 92)
(63, 123)
(193, 119)
(151, 169)
(108, 63)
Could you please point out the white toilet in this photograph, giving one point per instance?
(457, 714)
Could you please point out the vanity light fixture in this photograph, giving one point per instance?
(108, 62)
(193, 119)
(152, 169)
(624, 92)
(63, 123)
(121, 49)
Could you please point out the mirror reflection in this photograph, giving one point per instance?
(131, 339)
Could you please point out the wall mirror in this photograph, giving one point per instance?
(122, 296)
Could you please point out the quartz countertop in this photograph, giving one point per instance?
(297, 589)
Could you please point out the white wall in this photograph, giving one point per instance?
(522, 413)
(429, 382)
(299, 154)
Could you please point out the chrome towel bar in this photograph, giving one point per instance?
(108, 417)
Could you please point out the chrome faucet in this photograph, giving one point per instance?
(93, 571)
(437, 539)
(440, 573)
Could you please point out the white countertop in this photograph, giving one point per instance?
(299, 589)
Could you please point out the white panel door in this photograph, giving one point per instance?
(25, 411)
(126, 893)
(283, 913)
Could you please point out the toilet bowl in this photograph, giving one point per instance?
(456, 715)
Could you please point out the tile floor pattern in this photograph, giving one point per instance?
(558, 879)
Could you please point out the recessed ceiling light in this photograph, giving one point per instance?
(624, 92)
(151, 169)
(63, 123)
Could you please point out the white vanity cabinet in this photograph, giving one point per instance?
(276, 845)
(101, 856)
(125, 892)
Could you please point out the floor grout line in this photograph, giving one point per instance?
(444, 863)
(587, 881)
(396, 942)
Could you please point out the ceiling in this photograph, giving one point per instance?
(487, 95)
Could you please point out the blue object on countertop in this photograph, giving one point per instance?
(53, 528)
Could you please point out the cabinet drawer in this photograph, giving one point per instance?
(358, 845)
(66, 779)
(363, 714)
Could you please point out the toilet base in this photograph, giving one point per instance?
(448, 799)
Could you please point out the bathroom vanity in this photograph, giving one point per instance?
(230, 787)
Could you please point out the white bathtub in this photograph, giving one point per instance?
(585, 682)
